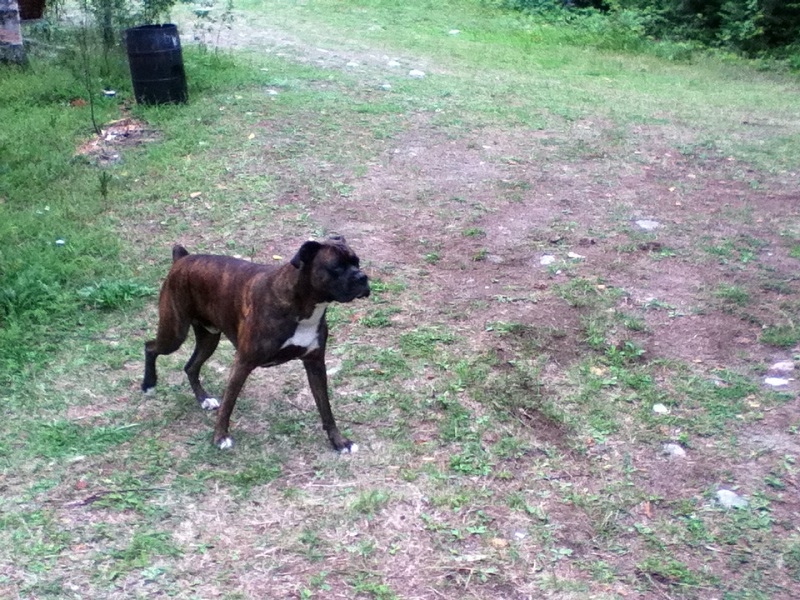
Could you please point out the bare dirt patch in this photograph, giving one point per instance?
(114, 137)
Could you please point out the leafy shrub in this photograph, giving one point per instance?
(751, 27)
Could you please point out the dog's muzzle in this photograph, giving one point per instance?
(360, 285)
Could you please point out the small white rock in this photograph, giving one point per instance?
(547, 259)
(60, 242)
(393, 63)
(730, 499)
(776, 381)
(674, 451)
(575, 256)
(660, 409)
(647, 224)
(454, 32)
(386, 86)
(352, 64)
(416, 74)
(784, 366)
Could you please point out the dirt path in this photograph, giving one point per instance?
(253, 32)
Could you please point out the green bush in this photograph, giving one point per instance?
(751, 27)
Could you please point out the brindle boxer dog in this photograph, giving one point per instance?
(270, 314)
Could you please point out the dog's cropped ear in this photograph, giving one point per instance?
(178, 251)
(306, 254)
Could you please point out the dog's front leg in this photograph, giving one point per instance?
(238, 376)
(318, 381)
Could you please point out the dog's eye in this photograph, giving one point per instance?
(356, 263)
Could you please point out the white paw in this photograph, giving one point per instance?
(209, 404)
(225, 443)
(351, 450)
(149, 391)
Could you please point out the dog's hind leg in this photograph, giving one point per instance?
(169, 338)
(205, 343)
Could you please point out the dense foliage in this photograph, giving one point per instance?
(752, 27)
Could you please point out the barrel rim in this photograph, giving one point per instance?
(152, 27)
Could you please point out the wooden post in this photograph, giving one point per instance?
(11, 49)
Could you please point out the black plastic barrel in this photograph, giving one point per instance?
(154, 55)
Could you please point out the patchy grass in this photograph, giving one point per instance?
(511, 415)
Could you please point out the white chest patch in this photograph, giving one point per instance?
(306, 335)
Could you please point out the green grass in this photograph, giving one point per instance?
(370, 502)
(505, 412)
(782, 336)
(64, 438)
(732, 294)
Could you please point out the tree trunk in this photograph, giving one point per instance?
(11, 49)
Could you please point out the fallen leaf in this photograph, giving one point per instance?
(194, 195)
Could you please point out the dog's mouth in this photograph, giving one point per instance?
(357, 292)
(353, 292)
(360, 285)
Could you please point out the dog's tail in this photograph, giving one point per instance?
(178, 251)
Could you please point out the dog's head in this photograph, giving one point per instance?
(333, 269)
